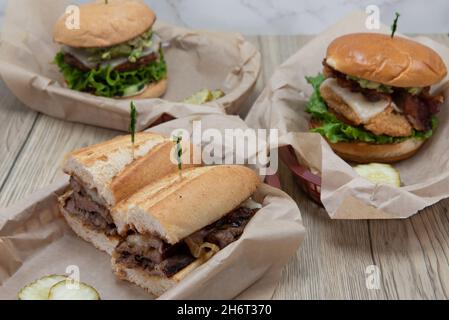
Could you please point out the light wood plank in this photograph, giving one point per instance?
(40, 159)
(332, 260)
(16, 123)
(414, 254)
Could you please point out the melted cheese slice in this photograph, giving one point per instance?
(364, 109)
(251, 204)
(83, 56)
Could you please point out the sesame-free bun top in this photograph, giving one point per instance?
(105, 25)
(396, 61)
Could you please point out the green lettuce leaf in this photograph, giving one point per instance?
(107, 82)
(335, 130)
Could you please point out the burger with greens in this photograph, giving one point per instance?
(373, 101)
(114, 53)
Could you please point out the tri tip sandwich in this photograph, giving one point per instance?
(103, 175)
(174, 226)
(373, 102)
(114, 53)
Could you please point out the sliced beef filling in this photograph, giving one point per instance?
(81, 205)
(158, 258)
(228, 229)
(156, 263)
(418, 109)
(131, 66)
(126, 66)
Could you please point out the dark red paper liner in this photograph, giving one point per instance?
(309, 182)
(163, 118)
(273, 181)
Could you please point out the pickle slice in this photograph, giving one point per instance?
(200, 97)
(204, 96)
(217, 94)
(379, 173)
(39, 289)
(61, 291)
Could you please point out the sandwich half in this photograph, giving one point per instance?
(175, 224)
(105, 174)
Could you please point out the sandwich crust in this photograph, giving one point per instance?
(397, 61)
(110, 169)
(155, 285)
(174, 209)
(105, 25)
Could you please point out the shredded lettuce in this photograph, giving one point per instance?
(366, 84)
(132, 49)
(335, 130)
(106, 82)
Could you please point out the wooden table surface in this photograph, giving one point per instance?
(412, 255)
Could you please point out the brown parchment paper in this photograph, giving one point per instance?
(195, 59)
(344, 194)
(35, 241)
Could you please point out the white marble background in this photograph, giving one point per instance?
(293, 16)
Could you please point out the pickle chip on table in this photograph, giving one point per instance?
(204, 96)
(57, 287)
